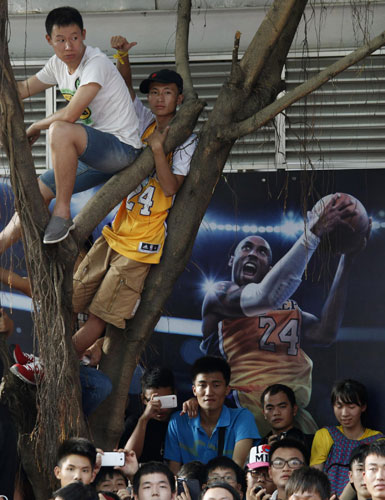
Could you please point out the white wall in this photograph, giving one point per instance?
(152, 24)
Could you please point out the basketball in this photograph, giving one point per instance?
(341, 239)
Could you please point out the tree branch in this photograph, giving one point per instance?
(235, 73)
(121, 184)
(269, 112)
(265, 39)
(181, 47)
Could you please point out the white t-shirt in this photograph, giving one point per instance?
(181, 157)
(111, 110)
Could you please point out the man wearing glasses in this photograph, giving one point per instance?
(286, 456)
(224, 469)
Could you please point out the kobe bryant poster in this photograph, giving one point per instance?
(329, 326)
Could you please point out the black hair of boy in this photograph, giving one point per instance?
(63, 16)
(211, 364)
(77, 446)
(349, 391)
(308, 479)
(289, 443)
(76, 491)
(377, 448)
(358, 454)
(107, 473)
(152, 468)
(227, 463)
(194, 470)
(223, 485)
(274, 389)
(157, 377)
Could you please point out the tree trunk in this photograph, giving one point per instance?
(246, 101)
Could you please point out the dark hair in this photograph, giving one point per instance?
(107, 473)
(349, 391)
(63, 16)
(289, 443)
(151, 468)
(357, 454)
(308, 479)
(77, 446)
(225, 486)
(376, 448)
(76, 491)
(193, 470)
(275, 389)
(227, 463)
(157, 377)
(211, 364)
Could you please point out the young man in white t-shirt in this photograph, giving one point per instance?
(107, 137)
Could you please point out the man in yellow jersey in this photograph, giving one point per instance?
(109, 281)
(252, 322)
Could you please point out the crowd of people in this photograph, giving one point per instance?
(210, 449)
(186, 453)
(193, 461)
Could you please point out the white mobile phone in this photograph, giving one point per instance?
(167, 401)
(113, 458)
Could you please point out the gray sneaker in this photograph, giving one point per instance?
(57, 230)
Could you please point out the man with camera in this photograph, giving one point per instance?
(146, 434)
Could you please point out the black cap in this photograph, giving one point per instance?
(162, 76)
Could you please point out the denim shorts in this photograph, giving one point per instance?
(104, 155)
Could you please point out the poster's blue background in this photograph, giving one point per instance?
(271, 205)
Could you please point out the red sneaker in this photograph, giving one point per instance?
(22, 358)
(31, 373)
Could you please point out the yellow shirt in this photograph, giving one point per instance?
(323, 442)
(139, 228)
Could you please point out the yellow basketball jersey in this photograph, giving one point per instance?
(139, 228)
(265, 350)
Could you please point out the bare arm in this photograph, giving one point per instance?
(174, 466)
(136, 440)
(324, 330)
(241, 451)
(123, 65)
(348, 492)
(319, 466)
(6, 324)
(169, 182)
(69, 113)
(15, 281)
(32, 86)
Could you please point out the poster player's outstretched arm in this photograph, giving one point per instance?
(228, 300)
(323, 330)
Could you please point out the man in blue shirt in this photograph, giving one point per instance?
(200, 438)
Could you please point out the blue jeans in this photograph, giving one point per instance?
(96, 386)
(104, 155)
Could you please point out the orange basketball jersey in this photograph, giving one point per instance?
(265, 350)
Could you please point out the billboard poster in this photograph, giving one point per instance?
(286, 344)
(289, 346)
